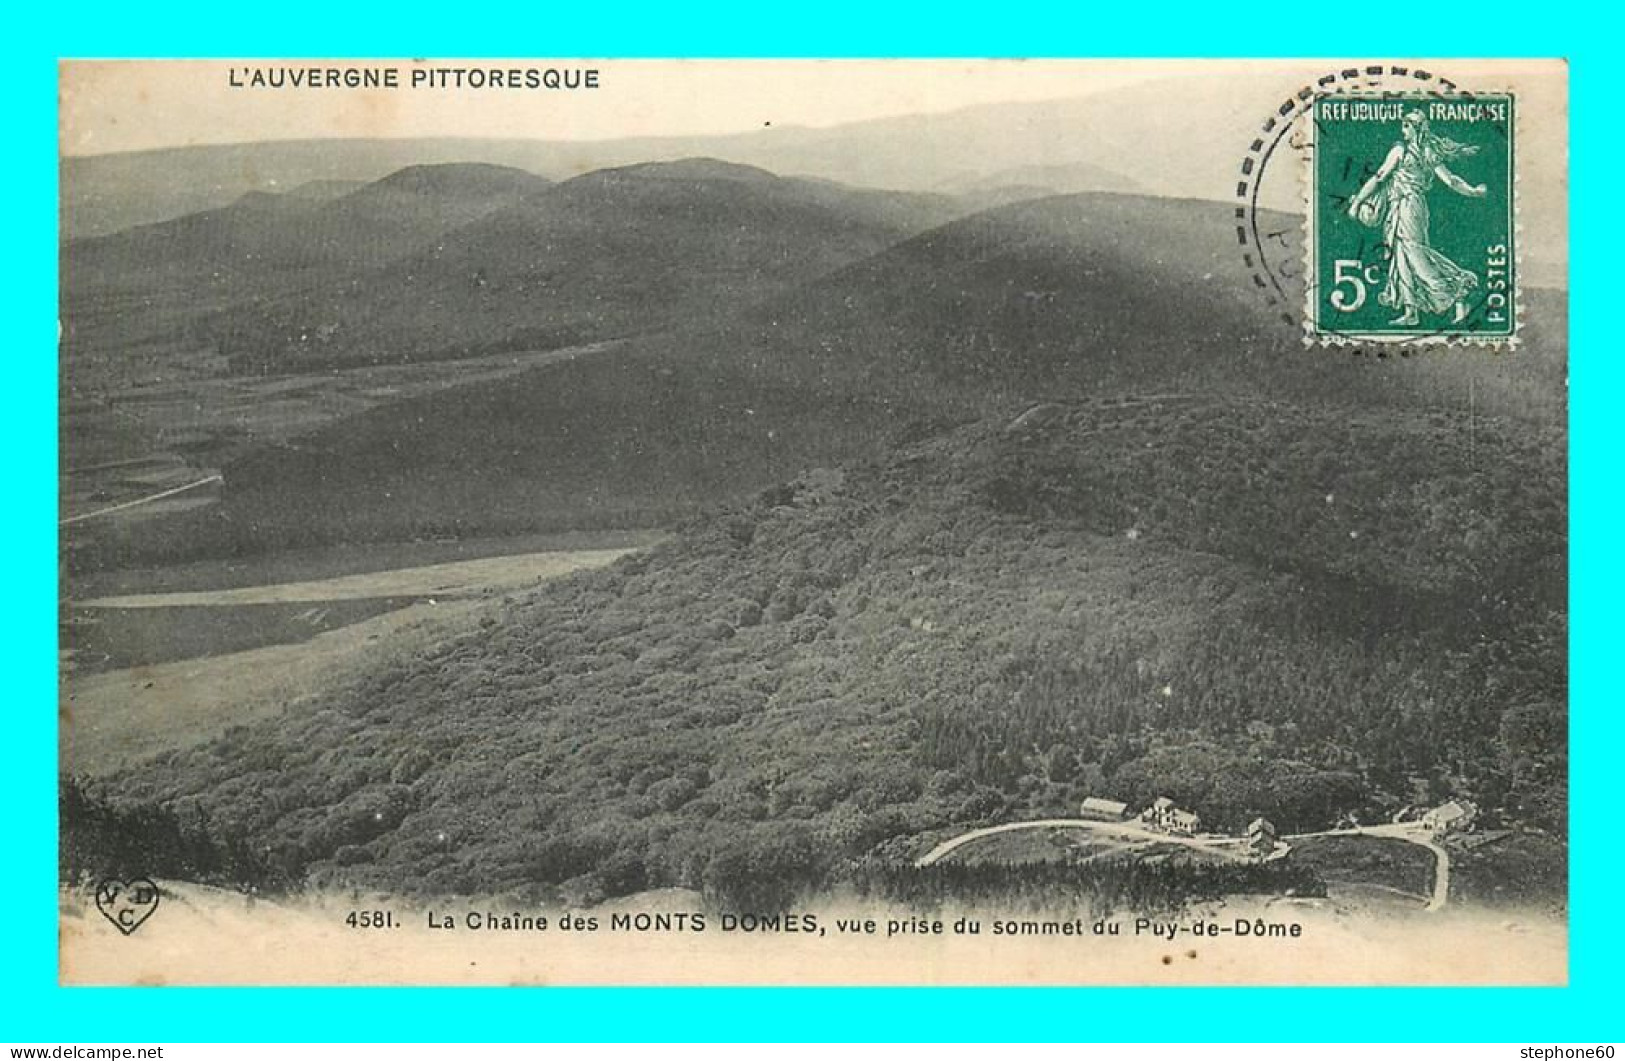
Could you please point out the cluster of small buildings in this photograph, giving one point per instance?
(1448, 819)
(1166, 816)
(1162, 814)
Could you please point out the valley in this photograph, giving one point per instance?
(147, 673)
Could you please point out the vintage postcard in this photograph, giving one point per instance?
(822, 522)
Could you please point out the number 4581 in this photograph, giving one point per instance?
(1358, 276)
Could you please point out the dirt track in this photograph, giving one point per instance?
(458, 578)
(1218, 845)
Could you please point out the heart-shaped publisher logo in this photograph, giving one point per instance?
(127, 904)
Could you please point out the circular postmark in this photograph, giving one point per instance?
(1407, 235)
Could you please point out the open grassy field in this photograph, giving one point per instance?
(115, 718)
(340, 561)
(141, 629)
(1525, 870)
(116, 638)
(458, 578)
(1038, 845)
(1368, 867)
(1184, 855)
(147, 674)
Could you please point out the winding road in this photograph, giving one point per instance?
(1408, 832)
(1118, 830)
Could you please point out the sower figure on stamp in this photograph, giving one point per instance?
(1419, 277)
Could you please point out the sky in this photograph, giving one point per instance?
(110, 106)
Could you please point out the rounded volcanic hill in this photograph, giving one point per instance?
(1070, 298)
(607, 254)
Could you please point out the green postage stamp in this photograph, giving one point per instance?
(1412, 220)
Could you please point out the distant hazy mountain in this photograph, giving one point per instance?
(1050, 180)
(606, 254)
(158, 287)
(1066, 298)
(1061, 146)
(101, 194)
(263, 233)
(322, 190)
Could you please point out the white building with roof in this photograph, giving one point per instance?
(1452, 817)
(1106, 810)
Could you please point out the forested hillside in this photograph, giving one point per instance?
(1249, 606)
